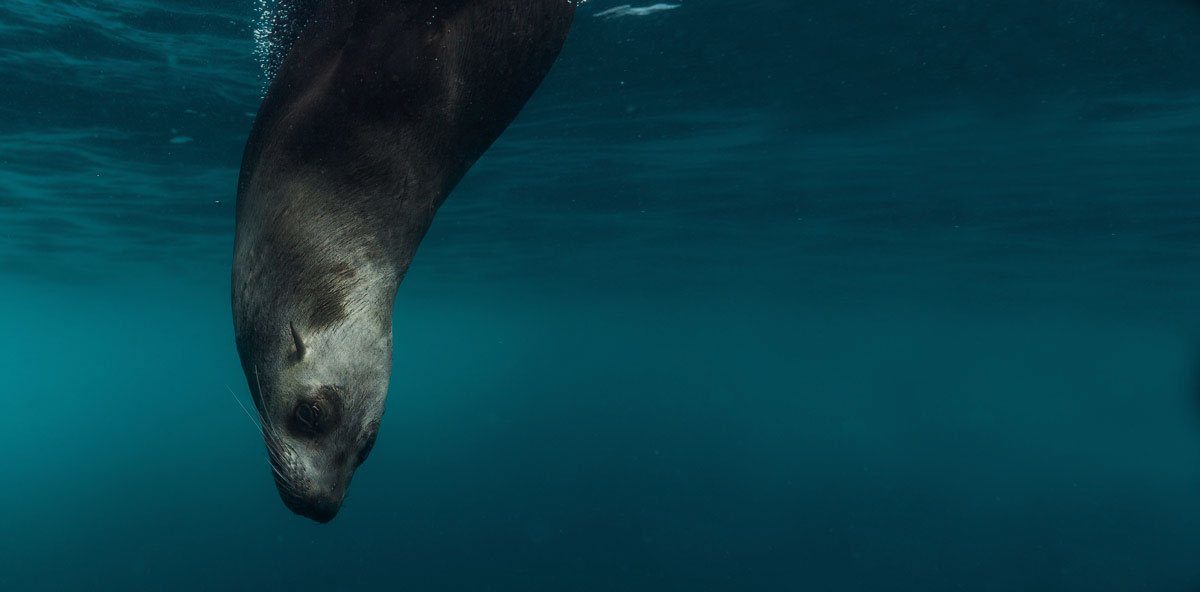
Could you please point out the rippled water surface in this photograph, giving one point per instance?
(759, 295)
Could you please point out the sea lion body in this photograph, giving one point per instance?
(376, 113)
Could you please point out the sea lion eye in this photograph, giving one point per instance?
(318, 413)
(309, 416)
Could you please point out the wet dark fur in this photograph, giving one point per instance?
(384, 105)
(376, 113)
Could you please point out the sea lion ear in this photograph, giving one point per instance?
(298, 342)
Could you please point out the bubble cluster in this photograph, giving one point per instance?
(278, 24)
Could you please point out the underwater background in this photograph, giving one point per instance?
(820, 295)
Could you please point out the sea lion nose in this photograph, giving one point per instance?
(319, 508)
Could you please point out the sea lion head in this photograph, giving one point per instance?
(316, 346)
(320, 398)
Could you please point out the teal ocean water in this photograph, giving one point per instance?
(758, 295)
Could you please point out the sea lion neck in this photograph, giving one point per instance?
(314, 264)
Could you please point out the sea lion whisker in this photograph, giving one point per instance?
(266, 417)
(275, 459)
(275, 445)
(281, 476)
(283, 483)
(244, 410)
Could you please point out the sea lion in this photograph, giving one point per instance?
(376, 112)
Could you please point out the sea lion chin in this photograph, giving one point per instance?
(376, 112)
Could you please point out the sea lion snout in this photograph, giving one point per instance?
(316, 492)
(319, 506)
(315, 458)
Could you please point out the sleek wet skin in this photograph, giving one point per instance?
(375, 114)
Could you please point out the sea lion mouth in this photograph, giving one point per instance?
(302, 500)
(320, 509)
(299, 494)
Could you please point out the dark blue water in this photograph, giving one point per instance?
(759, 295)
